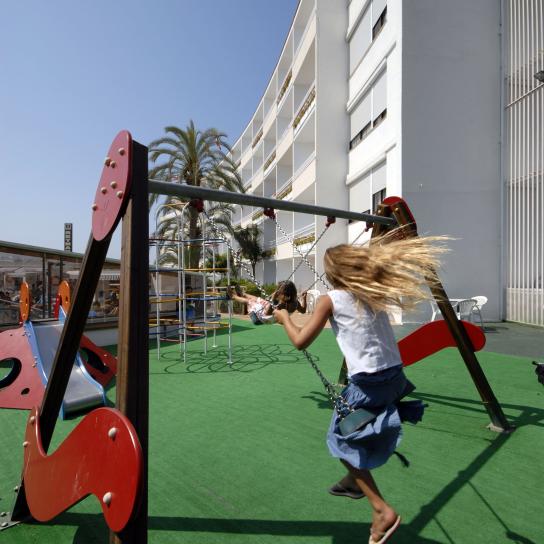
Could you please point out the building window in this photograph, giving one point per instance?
(360, 136)
(369, 190)
(379, 24)
(369, 112)
(380, 118)
(367, 30)
(377, 198)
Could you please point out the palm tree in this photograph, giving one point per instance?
(196, 158)
(248, 239)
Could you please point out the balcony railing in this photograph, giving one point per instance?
(269, 160)
(285, 189)
(285, 86)
(257, 138)
(257, 215)
(304, 235)
(304, 108)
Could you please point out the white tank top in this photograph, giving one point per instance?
(365, 338)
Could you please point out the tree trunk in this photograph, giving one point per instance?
(193, 250)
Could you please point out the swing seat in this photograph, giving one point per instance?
(355, 420)
(265, 320)
(254, 319)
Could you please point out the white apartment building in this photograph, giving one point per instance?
(395, 97)
(294, 147)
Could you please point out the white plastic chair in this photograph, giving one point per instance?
(435, 309)
(311, 299)
(464, 309)
(480, 301)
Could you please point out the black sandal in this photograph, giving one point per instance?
(340, 491)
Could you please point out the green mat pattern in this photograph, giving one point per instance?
(238, 454)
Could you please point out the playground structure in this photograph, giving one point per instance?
(32, 347)
(194, 301)
(123, 193)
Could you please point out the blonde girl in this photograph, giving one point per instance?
(367, 280)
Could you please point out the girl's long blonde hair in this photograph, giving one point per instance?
(392, 271)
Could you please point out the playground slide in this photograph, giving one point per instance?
(82, 391)
(99, 363)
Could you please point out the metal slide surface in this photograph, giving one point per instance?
(82, 391)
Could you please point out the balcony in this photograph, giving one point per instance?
(304, 44)
(304, 18)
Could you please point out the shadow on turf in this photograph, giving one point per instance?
(340, 532)
(248, 358)
(527, 416)
(90, 528)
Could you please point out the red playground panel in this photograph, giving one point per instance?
(114, 187)
(102, 456)
(433, 337)
(22, 388)
(99, 363)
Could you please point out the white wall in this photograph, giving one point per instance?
(450, 143)
(332, 127)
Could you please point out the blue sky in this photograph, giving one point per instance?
(75, 73)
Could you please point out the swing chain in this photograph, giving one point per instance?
(308, 253)
(340, 403)
(306, 261)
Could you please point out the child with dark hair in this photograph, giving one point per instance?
(285, 297)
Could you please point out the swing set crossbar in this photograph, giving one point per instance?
(190, 191)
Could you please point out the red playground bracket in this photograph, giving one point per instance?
(102, 456)
(432, 337)
(114, 186)
(22, 387)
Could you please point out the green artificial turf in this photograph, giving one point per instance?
(238, 454)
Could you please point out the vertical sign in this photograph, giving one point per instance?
(67, 236)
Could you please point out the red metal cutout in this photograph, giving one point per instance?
(433, 337)
(106, 362)
(27, 389)
(114, 187)
(101, 456)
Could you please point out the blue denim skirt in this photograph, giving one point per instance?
(372, 445)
